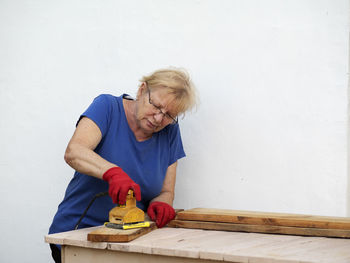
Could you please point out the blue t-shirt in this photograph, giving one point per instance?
(145, 162)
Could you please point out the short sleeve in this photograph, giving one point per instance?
(99, 112)
(176, 147)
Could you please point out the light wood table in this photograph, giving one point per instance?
(193, 245)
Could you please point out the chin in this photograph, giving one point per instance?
(146, 127)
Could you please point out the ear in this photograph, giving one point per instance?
(142, 89)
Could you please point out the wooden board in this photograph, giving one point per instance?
(105, 234)
(194, 245)
(263, 218)
(299, 231)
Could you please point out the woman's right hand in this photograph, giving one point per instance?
(119, 185)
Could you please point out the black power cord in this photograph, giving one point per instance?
(87, 208)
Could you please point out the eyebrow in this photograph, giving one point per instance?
(163, 107)
(159, 105)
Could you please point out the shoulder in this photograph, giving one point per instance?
(107, 101)
(107, 98)
(174, 142)
(103, 108)
(171, 131)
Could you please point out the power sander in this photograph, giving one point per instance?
(127, 216)
(122, 216)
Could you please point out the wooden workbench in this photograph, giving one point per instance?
(194, 245)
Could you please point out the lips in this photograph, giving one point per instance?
(151, 125)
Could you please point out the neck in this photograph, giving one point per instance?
(130, 108)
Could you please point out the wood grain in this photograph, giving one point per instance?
(222, 246)
(105, 234)
(264, 218)
(299, 231)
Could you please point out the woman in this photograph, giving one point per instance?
(121, 144)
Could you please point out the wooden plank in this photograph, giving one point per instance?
(75, 238)
(82, 255)
(299, 231)
(184, 244)
(105, 234)
(263, 218)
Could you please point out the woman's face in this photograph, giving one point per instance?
(155, 109)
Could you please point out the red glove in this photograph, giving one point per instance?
(161, 212)
(119, 185)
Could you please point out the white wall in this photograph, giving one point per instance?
(270, 133)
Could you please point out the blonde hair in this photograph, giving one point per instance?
(179, 84)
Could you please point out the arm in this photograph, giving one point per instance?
(80, 156)
(160, 208)
(168, 190)
(80, 153)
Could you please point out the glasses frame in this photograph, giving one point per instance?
(173, 120)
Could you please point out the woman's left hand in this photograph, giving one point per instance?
(161, 212)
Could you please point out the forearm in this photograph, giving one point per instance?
(166, 197)
(168, 190)
(86, 161)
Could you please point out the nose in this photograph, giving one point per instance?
(158, 117)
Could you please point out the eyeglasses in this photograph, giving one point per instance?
(166, 115)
